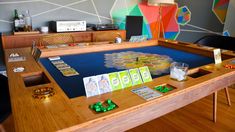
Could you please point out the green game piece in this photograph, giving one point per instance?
(96, 106)
(109, 101)
(163, 89)
(109, 108)
(99, 107)
(158, 88)
(103, 109)
(113, 105)
(99, 103)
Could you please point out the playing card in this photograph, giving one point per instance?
(69, 72)
(145, 74)
(103, 83)
(135, 76)
(91, 86)
(146, 93)
(57, 62)
(115, 81)
(125, 78)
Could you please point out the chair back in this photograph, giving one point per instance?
(5, 104)
(217, 41)
(59, 38)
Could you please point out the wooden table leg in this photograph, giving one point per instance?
(2, 128)
(214, 106)
(227, 96)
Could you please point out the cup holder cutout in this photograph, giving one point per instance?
(195, 73)
(36, 79)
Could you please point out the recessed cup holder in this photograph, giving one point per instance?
(195, 73)
(35, 79)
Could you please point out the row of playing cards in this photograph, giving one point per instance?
(64, 68)
(95, 85)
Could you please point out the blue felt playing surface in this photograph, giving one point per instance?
(91, 64)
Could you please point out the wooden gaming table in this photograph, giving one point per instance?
(68, 109)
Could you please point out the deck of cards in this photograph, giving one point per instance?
(64, 68)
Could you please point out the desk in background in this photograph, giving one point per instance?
(20, 41)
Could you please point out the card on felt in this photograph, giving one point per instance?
(125, 78)
(145, 74)
(62, 66)
(57, 62)
(69, 72)
(146, 93)
(104, 83)
(115, 81)
(217, 56)
(135, 76)
(54, 58)
(91, 86)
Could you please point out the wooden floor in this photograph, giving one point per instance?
(196, 117)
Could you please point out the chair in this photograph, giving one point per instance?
(222, 42)
(5, 105)
(59, 38)
(217, 41)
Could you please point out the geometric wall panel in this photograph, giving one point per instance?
(151, 19)
(220, 9)
(183, 15)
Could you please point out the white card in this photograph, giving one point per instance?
(91, 86)
(217, 56)
(103, 83)
(146, 93)
(53, 58)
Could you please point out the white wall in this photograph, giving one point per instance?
(230, 19)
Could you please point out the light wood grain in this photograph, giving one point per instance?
(227, 96)
(196, 117)
(62, 113)
(20, 41)
(214, 106)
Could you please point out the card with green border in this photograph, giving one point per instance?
(135, 76)
(125, 78)
(145, 74)
(115, 81)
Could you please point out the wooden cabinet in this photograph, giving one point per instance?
(19, 41)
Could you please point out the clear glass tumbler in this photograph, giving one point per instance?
(178, 71)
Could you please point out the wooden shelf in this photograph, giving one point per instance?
(25, 33)
(26, 40)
